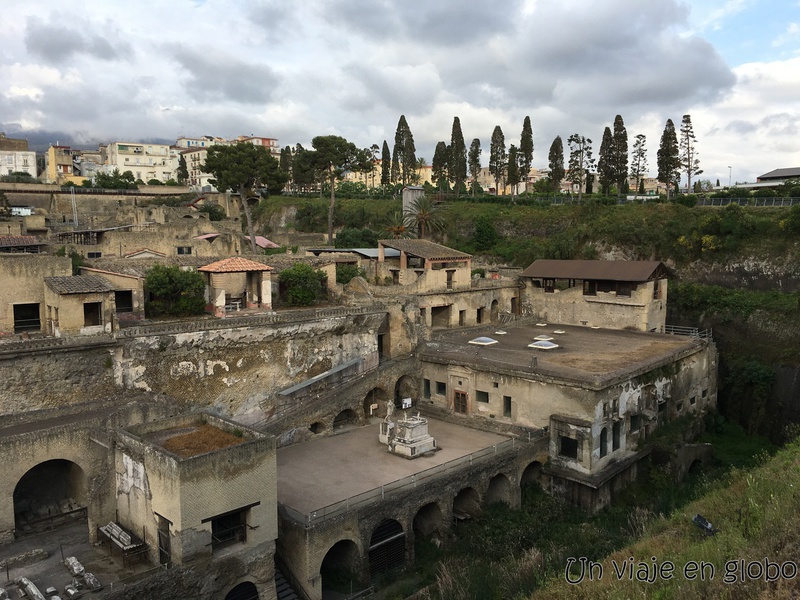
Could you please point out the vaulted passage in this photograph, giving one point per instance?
(243, 591)
(375, 396)
(387, 547)
(466, 504)
(339, 568)
(346, 417)
(51, 493)
(428, 521)
(532, 475)
(499, 490)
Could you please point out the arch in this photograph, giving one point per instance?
(246, 590)
(346, 417)
(377, 396)
(499, 490)
(387, 547)
(603, 442)
(466, 504)
(494, 311)
(49, 489)
(340, 566)
(405, 388)
(615, 435)
(428, 521)
(316, 427)
(532, 475)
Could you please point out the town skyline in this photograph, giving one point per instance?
(351, 69)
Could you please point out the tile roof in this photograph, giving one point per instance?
(263, 242)
(607, 270)
(425, 249)
(235, 264)
(143, 251)
(7, 241)
(78, 284)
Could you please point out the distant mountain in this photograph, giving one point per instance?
(40, 140)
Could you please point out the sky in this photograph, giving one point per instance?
(96, 71)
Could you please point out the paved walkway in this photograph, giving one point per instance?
(324, 471)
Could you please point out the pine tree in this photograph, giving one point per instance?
(619, 154)
(513, 173)
(458, 157)
(556, 163)
(669, 162)
(439, 166)
(475, 162)
(386, 164)
(580, 161)
(605, 160)
(498, 159)
(689, 163)
(639, 159)
(525, 149)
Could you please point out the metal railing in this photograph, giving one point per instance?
(401, 485)
(704, 334)
(256, 320)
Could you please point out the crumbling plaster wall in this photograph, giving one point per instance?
(22, 277)
(239, 371)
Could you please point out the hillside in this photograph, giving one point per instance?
(753, 555)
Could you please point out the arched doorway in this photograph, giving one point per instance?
(50, 492)
(466, 504)
(428, 521)
(405, 388)
(316, 427)
(499, 490)
(387, 547)
(346, 417)
(340, 568)
(244, 591)
(532, 475)
(377, 396)
(494, 311)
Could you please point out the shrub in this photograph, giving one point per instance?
(345, 272)
(302, 285)
(176, 292)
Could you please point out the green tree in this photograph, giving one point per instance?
(183, 170)
(351, 237)
(581, 162)
(5, 208)
(398, 226)
(457, 167)
(668, 159)
(525, 149)
(512, 170)
(301, 285)
(335, 155)
(374, 150)
(243, 169)
(556, 163)
(689, 162)
(474, 162)
(605, 168)
(346, 272)
(404, 160)
(176, 292)
(386, 165)
(425, 215)
(304, 174)
(439, 166)
(639, 160)
(619, 154)
(285, 166)
(115, 180)
(214, 211)
(498, 159)
(485, 235)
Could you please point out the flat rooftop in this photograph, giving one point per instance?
(594, 357)
(321, 472)
(193, 440)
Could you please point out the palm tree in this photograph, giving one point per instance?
(421, 164)
(398, 226)
(425, 215)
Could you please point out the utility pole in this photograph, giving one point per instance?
(729, 175)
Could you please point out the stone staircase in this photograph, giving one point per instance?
(282, 588)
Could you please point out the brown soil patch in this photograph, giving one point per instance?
(202, 439)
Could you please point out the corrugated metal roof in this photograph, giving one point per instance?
(235, 264)
(781, 173)
(425, 249)
(605, 270)
(78, 284)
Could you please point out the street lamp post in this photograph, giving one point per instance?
(729, 176)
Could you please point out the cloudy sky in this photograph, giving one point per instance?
(98, 71)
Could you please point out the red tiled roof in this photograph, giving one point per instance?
(235, 264)
(7, 241)
(607, 270)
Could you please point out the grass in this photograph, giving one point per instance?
(510, 554)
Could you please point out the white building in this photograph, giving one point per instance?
(18, 161)
(145, 161)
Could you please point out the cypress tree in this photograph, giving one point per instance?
(475, 162)
(386, 164)
(457, 157)
(525, 149)
(497, 157)
(619, 154)
(605, 168)
(669, 162)
(556, 163)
